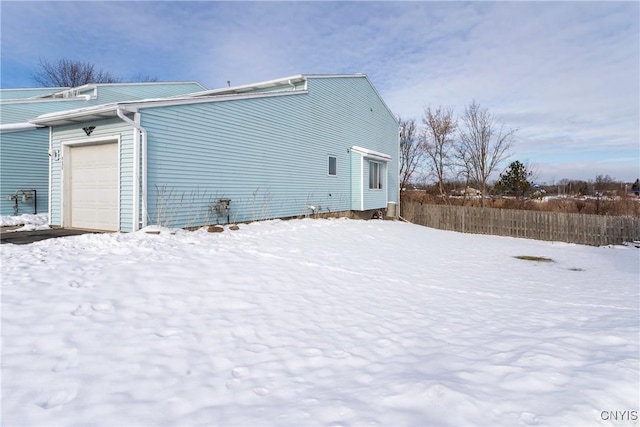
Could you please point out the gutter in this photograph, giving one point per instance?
(16, 127)
(142, 149)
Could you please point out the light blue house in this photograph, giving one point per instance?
(24, 147)
(291, 147)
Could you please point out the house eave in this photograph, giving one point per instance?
(80, 115)
(371, 154)
(109, 110)
(100, 112)
(18, 127)
(73, 92)
(236, 90)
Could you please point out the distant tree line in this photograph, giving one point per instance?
(602, 185)
(458, 155)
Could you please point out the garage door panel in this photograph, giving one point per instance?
(94, 187)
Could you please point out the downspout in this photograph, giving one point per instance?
(143, 156)
(361, 182)
(136, 219)
(386, 184)
(50, 172)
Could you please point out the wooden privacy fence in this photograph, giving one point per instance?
(596, 230)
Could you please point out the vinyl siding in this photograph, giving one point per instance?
(356, 181)
(115, 128)
(29, 92)
(268, 155)
(23, 111)
(374, 198)
(24, 164)
(123, 92)
(375, 129)
(25, 159)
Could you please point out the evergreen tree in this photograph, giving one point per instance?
(514, 180)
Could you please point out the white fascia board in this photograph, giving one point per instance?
(149, 83)
(371, 154)
(333, 76)
(96, 86)
(251, 86)
(35, 100)
(29, 89)
(39, 89)
(52, 118)
(17, 127)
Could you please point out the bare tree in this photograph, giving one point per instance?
(438, 142)
(484, 143)
(410, 151)
(70, 73)
(604, 183)
(144, 78)
(534, 171)
(462, 165)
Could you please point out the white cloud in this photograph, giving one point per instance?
(565, 74)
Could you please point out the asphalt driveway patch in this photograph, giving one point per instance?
(26, 237)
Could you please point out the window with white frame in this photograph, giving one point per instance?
(333, 166)
(375, 175)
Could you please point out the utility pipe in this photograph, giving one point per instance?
(49, 190)
(143, 154)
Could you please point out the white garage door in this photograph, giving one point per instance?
(93, 187)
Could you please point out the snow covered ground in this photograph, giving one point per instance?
(318, 322)
(28, 222)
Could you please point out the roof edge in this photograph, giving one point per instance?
(133, 106)
(90, 86)
(370, 153)
(250, 86)
(16, 127)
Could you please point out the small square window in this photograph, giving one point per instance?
(333, 166)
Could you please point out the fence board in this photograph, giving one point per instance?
(595, 230)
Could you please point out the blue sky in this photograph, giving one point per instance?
(565, 74)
